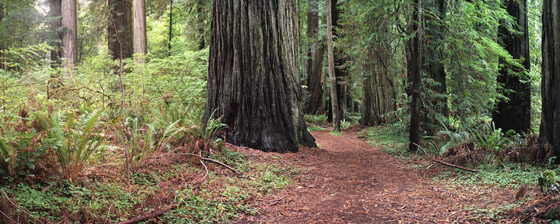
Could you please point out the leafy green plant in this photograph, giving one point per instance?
(73, 140)
(316, 119)
(487, 136)
(548, 182)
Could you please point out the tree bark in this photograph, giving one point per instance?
(341, 73)
(515, 114)
(140, 40)
(379, 95)
(254, 80)
(332, 75)
(121, 16)
(414, 70)
(436, 108)
(70, 38)
(55, 16)
(200, 19)
(550, 84)
(315, 54)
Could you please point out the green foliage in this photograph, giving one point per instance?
(316, 119)
(515, 176)
(548, 182)
(488, 137)
(74, 139)
(389, 138)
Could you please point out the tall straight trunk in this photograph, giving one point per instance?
(332, 75)
(170, 28)
(341, 73)
(253, 78)
(140, 40)
(55, 25)
(315, 53)
(379, 95)
(120, 23)
(70, 38)
(515, 114)
(414, 69)
(436, 108)
(550, 124)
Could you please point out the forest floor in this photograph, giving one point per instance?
(347, 180)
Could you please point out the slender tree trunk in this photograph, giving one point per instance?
(55, 16)
(315, 53)
(254, 80)
(121, 15)
(140, 40)
(70, 38)
(414, 69)
(330, 54)
(437, 101)
(550, 123)
(515, 114)
(170, 28)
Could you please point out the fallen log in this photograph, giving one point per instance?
(455, 166)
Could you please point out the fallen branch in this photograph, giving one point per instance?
(148, 216)
(21, 209)
(455, 166)
(210, 160)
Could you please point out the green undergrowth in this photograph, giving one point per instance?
(220, 198)
(389, 139)
(513, 175)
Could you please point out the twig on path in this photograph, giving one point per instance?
(209, 160)
(21, 209)
(148, 216)
(8, 217)
(276, 201)
(455, 166)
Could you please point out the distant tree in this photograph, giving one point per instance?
(170, 28)
(414, 57)
(330, 54)
(254, 80)
(550, 124)
(55, 25)
(70, 37)
(140, 40)
(515, 113)
(120, 23)
(315, 55)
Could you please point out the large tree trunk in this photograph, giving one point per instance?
(55, 25)
(414, 70)
(433, 54)
(550, 124)
(515, 114)
(120, 22)
(140, 41)
(315, 54)
(254, 81)
(379, 89)
(330, 53)
(341, 73)
(70, 38)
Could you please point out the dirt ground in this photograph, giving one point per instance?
(346, 180)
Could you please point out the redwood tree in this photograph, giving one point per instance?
(254, 81)
(120, 23)
(315, 54)
(515, 113)
(70, 35)
(414, 70)
(550, 124)
(140, 40)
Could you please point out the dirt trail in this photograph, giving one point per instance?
(348, 181)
